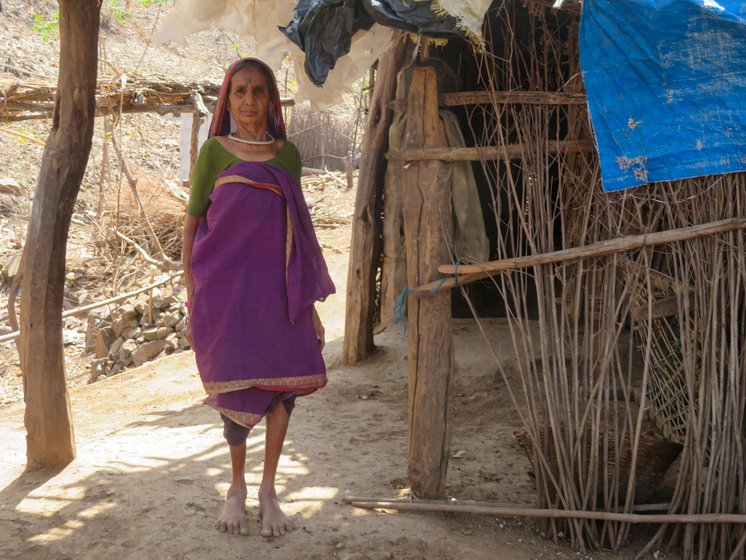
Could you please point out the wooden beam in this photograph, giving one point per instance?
(48, 420)
(44, 110)
(427, 227)
(616, 245)
(516, 97)
(505, 152)
(365, 245)
(470, 273)
(502, 510)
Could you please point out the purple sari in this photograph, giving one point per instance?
(257, 269)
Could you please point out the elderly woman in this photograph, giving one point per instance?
(253, 270)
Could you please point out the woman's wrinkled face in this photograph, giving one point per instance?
(249, 100)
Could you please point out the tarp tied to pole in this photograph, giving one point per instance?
(323, 29)
(666, 83)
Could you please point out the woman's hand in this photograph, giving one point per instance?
(191, 223)
(318, 329)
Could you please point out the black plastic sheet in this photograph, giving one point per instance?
(323, 29)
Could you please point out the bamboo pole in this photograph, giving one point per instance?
(44, 110)
(470, 273)
(486, 153)
(518, 97)
(499, 510)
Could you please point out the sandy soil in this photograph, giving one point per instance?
(152, 469)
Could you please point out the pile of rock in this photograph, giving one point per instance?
(135, 333)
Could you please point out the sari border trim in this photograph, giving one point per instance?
(245, 181)
(302, 382)
(245, 419)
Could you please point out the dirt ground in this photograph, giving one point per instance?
(152, 468)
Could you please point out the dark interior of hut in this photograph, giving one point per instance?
(459, 68)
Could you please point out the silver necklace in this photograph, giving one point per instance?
(254, 142)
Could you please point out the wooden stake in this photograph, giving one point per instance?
(365, 246)
(427, 228)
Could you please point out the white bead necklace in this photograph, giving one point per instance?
(254, 142)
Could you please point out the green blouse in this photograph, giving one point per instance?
(213, 159)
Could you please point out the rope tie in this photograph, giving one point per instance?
(400, 307)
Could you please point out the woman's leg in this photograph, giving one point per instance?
(233, 518)
(274, 521)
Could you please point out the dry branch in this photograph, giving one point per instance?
(499, 510)
(471, 273)
(485, 153)
(122, 94)
(504, 97)
(91, 306)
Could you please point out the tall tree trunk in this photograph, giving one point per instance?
(50, 438)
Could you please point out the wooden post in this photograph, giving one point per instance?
(394, 264)
(365, 246)
(50, 439)
(427, 227)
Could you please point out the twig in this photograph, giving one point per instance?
(166, 264)
(133, 186)
(24, 136)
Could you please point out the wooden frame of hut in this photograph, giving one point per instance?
(626, 310)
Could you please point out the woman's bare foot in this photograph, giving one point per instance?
(274, 521)
(233, 519)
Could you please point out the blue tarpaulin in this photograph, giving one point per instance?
(666, 87)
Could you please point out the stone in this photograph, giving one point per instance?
(150, 334)
(98, 368)
(103, 341)
(127, 350)
(94, 323)
(11, 267)
(131, 332)
(150, 318)
(116, 368)
(71, 337)
(169, 319)
(180, 326)
(170, 300)
(128, 310)
(116, 346)
(82, 297)
(163, 332)
(184, 342)
(148, 351)
(141, 306)
(121, 323)
(172, 343)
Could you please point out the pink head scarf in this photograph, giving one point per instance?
(221, 119)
